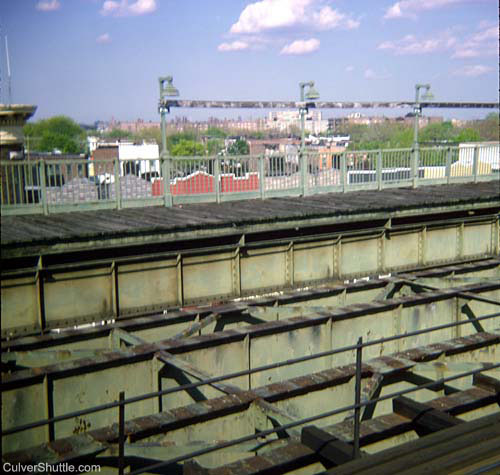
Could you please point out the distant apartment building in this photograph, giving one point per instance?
(289, 120)
(133, 127)
(269, 146)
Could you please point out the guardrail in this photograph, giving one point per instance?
(56, 185)
(358, 404)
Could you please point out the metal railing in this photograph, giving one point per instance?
(55, 185)
(356, 407)
(246, 372)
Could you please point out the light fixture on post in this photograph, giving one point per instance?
(167, 90)
(310, 96)
(417, 111)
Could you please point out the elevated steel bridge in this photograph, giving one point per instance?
(224, 338)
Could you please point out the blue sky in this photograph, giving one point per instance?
(96, 59)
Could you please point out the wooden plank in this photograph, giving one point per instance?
(488, 383)
(460, 459)
(425, 418)
(327, 446)
(157, 218)
(447, 441)
(464, 401)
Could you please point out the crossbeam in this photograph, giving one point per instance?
(208, 104)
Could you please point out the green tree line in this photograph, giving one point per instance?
(394, 135)
(64, 134)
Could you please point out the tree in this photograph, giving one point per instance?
(214, 146)
(215, 132)
(57, 133)
(187, 148)
(240, 147)
(467, 135)
(149, 134)
(437, 132)
(117, 134)
(488, 128)
(175, 138)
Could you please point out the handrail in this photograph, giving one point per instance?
(258, 369)
(208, 178)
(306, 420)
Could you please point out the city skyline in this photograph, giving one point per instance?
(94, 59)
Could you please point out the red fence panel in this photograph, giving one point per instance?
(201, 182)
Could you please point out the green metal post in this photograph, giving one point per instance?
(414, 166)
(217, 179)
(166, 90)
(343, 171)
(475, 162)
(118, 191)
(305, 175)
(311, 95)
(302, 147)
(165, 173)
(448, 165)
(415, 157)
(165, 160)
(262, 185)
(417, 110)
(379, 169)
(43, 185)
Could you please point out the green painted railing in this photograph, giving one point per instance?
(57, 185)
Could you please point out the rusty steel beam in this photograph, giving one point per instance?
(235, 309)
(183, 366)
(415, 284)
(388, 366)
(147, 350)
(147, 426)
(209, 104)
(177, 363)
(198, 325)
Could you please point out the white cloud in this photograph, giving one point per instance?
(104, 38)
(410, 8)
(482, 43)
(473, 71)
(234, 46)
(48, 5)
(371, 74)
(301, 47)
(488, 34)
(349, 69)
(412, 45)
(123, 8)
(266, 15)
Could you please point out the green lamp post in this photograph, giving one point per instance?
(310, 95)
(417, 110)
(167, 90)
